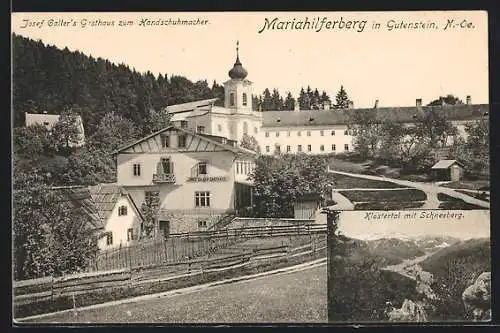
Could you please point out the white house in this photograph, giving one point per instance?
(122, 220)
(199, 178)
(308, 131)
(49, 120)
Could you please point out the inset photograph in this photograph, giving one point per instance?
(409, 266)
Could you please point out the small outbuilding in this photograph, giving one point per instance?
(447, 170)
(305, 207)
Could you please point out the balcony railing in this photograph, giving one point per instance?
(163, 178)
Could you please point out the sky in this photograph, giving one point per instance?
(395, 67)
(471, 224)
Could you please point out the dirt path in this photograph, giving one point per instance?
(429, 189)
(342, 203)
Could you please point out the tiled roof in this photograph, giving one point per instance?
(105, 197)
(189, 106)
(394, 114)
(445, 164)
(81, 198)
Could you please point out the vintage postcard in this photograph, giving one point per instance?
(177, 167)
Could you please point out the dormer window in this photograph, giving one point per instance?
(278, 120)
(184, 124)
(46, 123)
(200, 129)
(244, 99)
(311, 119)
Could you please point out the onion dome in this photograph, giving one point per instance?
(238, 72)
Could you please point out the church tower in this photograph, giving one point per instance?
(238, 90)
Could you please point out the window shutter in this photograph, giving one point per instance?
(171, 167)
(159, 168)
(194, 170)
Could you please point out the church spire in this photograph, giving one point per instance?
(238, 72)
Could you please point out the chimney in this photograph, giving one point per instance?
(296, 106)
(326, 105)
(468, 100)
(418, 102)
(351, 105)
(376, 104)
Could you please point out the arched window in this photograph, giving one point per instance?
(231, 99)
(244, 99)
(245, 126)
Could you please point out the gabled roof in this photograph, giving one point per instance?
(236, 150)
(105, 197)
(394, 114)
(445, 164)
(189, 106)
(81, 198)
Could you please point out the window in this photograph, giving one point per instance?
(200, 129)
(219, 127)
(334, 147)
(165, 141)
(130, 234)
(244, 99)
(346, 132)
(333, 132)
(122, 210)
(308, 133)
(255, 130)
(184, 124)
(231, 99)
(346, 147)
(321, 133)
(237, 168)
(267, 134)
(288, 149)
(245, 127)
(277, 149)
(109, 239)
(202, 168)
(137, 169)
(288, 133)
(308, 147)
(267, 149)
(277, 134)
(142, 228)
(202, 224)
(298, 133)
(202, 199)
(322, 148)
(299, 148)
(182, 141)
(245, 164)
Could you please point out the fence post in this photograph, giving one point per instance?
(165, 249)
(129, 259)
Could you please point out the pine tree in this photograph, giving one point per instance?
(342, 99)
(267, 101)
(289, 103)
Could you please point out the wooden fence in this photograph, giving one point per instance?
(182, 247)
(29, 291)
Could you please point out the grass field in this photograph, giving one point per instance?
(293, 297)
(389, 196)
(449, 202)
(468, 184)
(388, 205)
(343, 181)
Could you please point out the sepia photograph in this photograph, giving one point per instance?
(202, 167)
(409, 266)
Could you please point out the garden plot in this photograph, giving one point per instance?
(348, 182)
(449, 202)
(386, 199)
